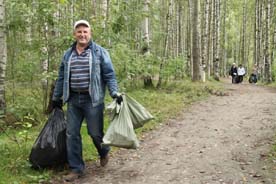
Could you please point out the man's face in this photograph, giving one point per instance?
(82, 35)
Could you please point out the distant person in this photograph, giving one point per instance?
(85, 72)
(241, 73)
(233, 72)
(254, 75)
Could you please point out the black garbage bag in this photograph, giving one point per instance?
(49, 149)
(253, 78)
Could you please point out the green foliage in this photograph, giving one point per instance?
(15, 148)
(14, 166)
(26, 104)
(130, 67)
(175, 68)
(274, 72)
(89, 151)
(18, 17)
(234, 27)
(118, 24)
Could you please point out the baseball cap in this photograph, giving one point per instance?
(81, 22)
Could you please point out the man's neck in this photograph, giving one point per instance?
(80, 48)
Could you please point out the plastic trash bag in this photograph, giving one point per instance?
(138, 114)
(49, 148)
(124, 118)
(120, 132)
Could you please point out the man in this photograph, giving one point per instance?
(254, 75)
(233, 72)
(86, 69)
(241, 73)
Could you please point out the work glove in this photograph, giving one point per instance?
(57, 104)
(119, 98)
(53, 104)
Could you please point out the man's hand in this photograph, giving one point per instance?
(53, 104)
(57, 104)
(119, 98)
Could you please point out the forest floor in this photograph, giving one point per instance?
(221, 140)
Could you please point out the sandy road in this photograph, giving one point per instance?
(224, 139)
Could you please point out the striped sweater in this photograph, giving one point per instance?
(79, 70)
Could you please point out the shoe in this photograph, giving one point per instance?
(104, 160)
(72, 176)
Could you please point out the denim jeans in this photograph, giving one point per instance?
(80, 107)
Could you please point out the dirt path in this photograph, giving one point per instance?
(221, 140)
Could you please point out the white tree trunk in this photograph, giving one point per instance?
(104, 13)
(205, 39)
(267, 62)
(146, 38)
(3, 59)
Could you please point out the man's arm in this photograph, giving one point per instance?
(108, 73)
(58, 91)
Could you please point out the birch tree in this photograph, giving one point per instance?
(255, 57)
(3, 59)
(204, 56)
(243, 35)
(146, 42)
(105, 4)
(267, 62)
(209, 39)
(223, 52)
(180, 27)
(258, 30)
(216, 38)
(166, 43)
(146, 38)
(195, 46)
(273, 37)
(189, 39)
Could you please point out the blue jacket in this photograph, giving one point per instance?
(102, 74)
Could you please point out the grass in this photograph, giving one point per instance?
(163, 104)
